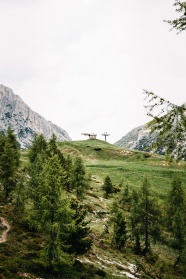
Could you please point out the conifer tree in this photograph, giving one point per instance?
(52, 149)
(9, 161)
(50, 212)
(145, 216)
(125, 199)
(69, 170)
(78, 240)
(179, 23)
(79, 181)
(39, 144)
(119, 236)
(176, 216)
(135, 224)
(107, 186)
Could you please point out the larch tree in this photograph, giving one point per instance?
(79, 180)
(145, 217)
(50, 212)
(107, 186)
(169, 120)
(179, 23)
(119, 236)
(169, 123)
(9, 161)
(39, 144)
(78, 239)
(176, 216)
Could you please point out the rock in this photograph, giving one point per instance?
(139, 139)
(24, 121)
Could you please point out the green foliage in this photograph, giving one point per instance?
(176, 200)
(50, 211)
(39, 144)
(52, 149)
(125, 199)
(145, 217)
(79, 180)
(119, 236)
(77, 240)
(9, 161)
(176, 216)
(169, 122)
(107, 186)
(180, 23)
(31, 250)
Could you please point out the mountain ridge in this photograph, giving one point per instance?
(24, 121)
(140, 138)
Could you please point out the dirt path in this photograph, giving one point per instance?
(4, 233)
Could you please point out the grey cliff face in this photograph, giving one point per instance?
(140, 139)
(24, 121)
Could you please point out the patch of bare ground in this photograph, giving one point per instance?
(5, 225)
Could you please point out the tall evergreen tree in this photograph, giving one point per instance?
(69, 171)
(145, 217)
(119, 236)
(176, 200)
(52, 149)
(77, 239)
(39, 144)
(50, 212)
(9, 161)
(79, 181)
(176, 216)
(107, 186)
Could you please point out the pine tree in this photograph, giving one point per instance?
(9, 161)
(119, 236)
(50, 212)
(176, 200)
(39, 144)
(79, 181)
(69, 170)
(107, 186)
(77, 239)
(125, 200)
(179, 23)
(135, 224)
(176, 216)
(145, 217)
(52, 149)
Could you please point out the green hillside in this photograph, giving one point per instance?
(123, 166)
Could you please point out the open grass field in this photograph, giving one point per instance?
(125, 166)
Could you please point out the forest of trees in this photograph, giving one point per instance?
(48, 196)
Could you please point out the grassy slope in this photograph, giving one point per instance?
(122, 166)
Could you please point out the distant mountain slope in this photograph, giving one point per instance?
(139, 138)
(24, 121)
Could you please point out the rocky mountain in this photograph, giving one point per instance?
(24, 121)
(139, 138)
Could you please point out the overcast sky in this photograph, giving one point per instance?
(83, 64)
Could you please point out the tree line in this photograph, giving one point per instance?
(137, 218)
(47, 194)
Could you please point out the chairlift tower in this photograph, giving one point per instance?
(105, 134)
